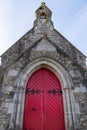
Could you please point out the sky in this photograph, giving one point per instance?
(69, 18)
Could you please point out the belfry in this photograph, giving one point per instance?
(43, 81)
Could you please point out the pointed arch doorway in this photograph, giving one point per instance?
(43, 108)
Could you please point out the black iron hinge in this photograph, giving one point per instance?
(54, 91)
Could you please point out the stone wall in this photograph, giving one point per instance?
(10, 90)
(33, 36)
(41, 47)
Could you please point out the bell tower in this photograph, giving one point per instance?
(43, 15)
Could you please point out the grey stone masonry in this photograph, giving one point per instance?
(27, 41)
(43, 46)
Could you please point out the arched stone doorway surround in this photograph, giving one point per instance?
(66, 83)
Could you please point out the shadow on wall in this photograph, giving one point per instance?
(1, 76)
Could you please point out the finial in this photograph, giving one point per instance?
(43, 3)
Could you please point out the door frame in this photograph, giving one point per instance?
(66, 84)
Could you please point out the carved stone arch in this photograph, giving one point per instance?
(66, 83)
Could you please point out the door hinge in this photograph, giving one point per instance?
(54, 91)
(33, 91)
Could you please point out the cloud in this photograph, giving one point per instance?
(15, 20)
(4, 25)
(76, 30)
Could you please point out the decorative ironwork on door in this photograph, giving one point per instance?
(43, 108)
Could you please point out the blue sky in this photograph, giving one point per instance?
(69, 18)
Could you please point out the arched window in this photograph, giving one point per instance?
(43, 16)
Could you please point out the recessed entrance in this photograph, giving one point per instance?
(43, 102)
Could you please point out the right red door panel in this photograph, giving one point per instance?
(43, 102)
(54, 113)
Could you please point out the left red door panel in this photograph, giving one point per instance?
(33, 104)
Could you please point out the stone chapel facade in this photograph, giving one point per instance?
(43, 47)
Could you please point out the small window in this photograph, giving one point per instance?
(43, 16)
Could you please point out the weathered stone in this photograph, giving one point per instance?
(12, 73)
(80, 89)
(42, 47)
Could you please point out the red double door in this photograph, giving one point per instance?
(43, 102)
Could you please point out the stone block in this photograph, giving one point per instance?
(10, 107)
(77, 108)
(12, 73)
(80, 89)
(75, 73)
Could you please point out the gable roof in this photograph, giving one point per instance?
(42, 28)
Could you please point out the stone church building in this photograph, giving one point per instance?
(43, 81)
